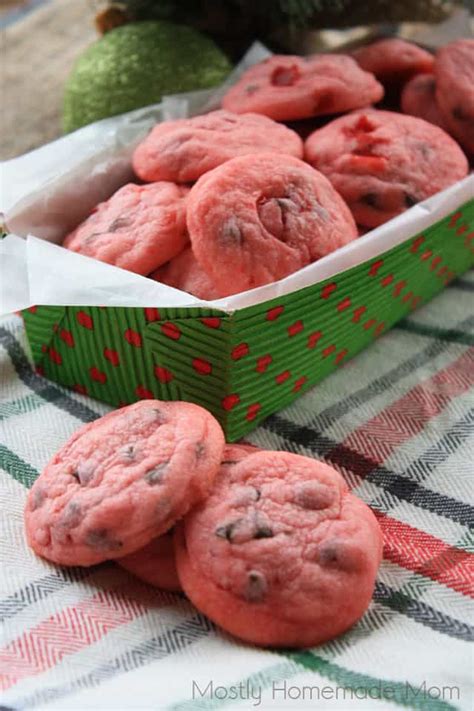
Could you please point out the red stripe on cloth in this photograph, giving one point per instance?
(406, 417)
(72, 629)
(427, 555)
(368, 446)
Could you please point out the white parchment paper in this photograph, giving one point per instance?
(47, 192)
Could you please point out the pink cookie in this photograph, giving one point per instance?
(418, 99)
(454, 71)
(286, 87)
(383, 162)
(393, 60)
(123, 480)
(280, 553)
(139, 228)
(256, 219)
(155, 563)
(183, 150)
(184, 272)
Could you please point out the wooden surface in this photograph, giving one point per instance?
(37, 54)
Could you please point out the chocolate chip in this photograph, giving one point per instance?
(228, 530)
(118, 223)
(263, 531)
(313, 496)
(250, 89)
(245, 496)
(159, 415)
(261, 526)
(285, 76)
(424, 149)
(128, 452)
(200, 450)
(272, 213)
(84, 473)
(37, 499)
(340, 554)
(328, 554)
(245, 528)
(92, 237)
(72, 515)
(410, 200)
(231, 234)
(256, 586)
(155, 475)
(100, 538)
(370, 199)
(460, 114)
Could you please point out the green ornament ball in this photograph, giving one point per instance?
(135, 65)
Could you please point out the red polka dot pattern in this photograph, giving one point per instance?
(230, 401)
(274, 313)
(252, 411)
(314, 338)
(163, 374)
(84, 320)
(263, 362)
(133, 338)
(282, 377)
(97, 375)
(54, 356)
(143, 393)
(240, 351)
(327, 290)
(152, 314)
(171, 330)
(112, 356)
(295, 328)
(212, 322)
(375, 267)
(201, 366)
(67, 337)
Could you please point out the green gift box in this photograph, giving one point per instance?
(245, 364)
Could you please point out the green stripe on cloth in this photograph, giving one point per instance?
(442, 334)
(49, 392)
(348, 686)
(401, 693)
(17, 467)
(258, 681)
(21, 406)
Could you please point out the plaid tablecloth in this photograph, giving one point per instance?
(397, 421)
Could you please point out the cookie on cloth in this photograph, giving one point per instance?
(286, 87)
(280, 553)
(184, 149)
(185, 273)
(258, 218)
(393, 60)
(139, 228)
(383, 162)
(418, 98)
(155, 563)
(454, 72)
(122, 480)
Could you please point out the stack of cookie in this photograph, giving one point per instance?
(271, 546)
(233, 200)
